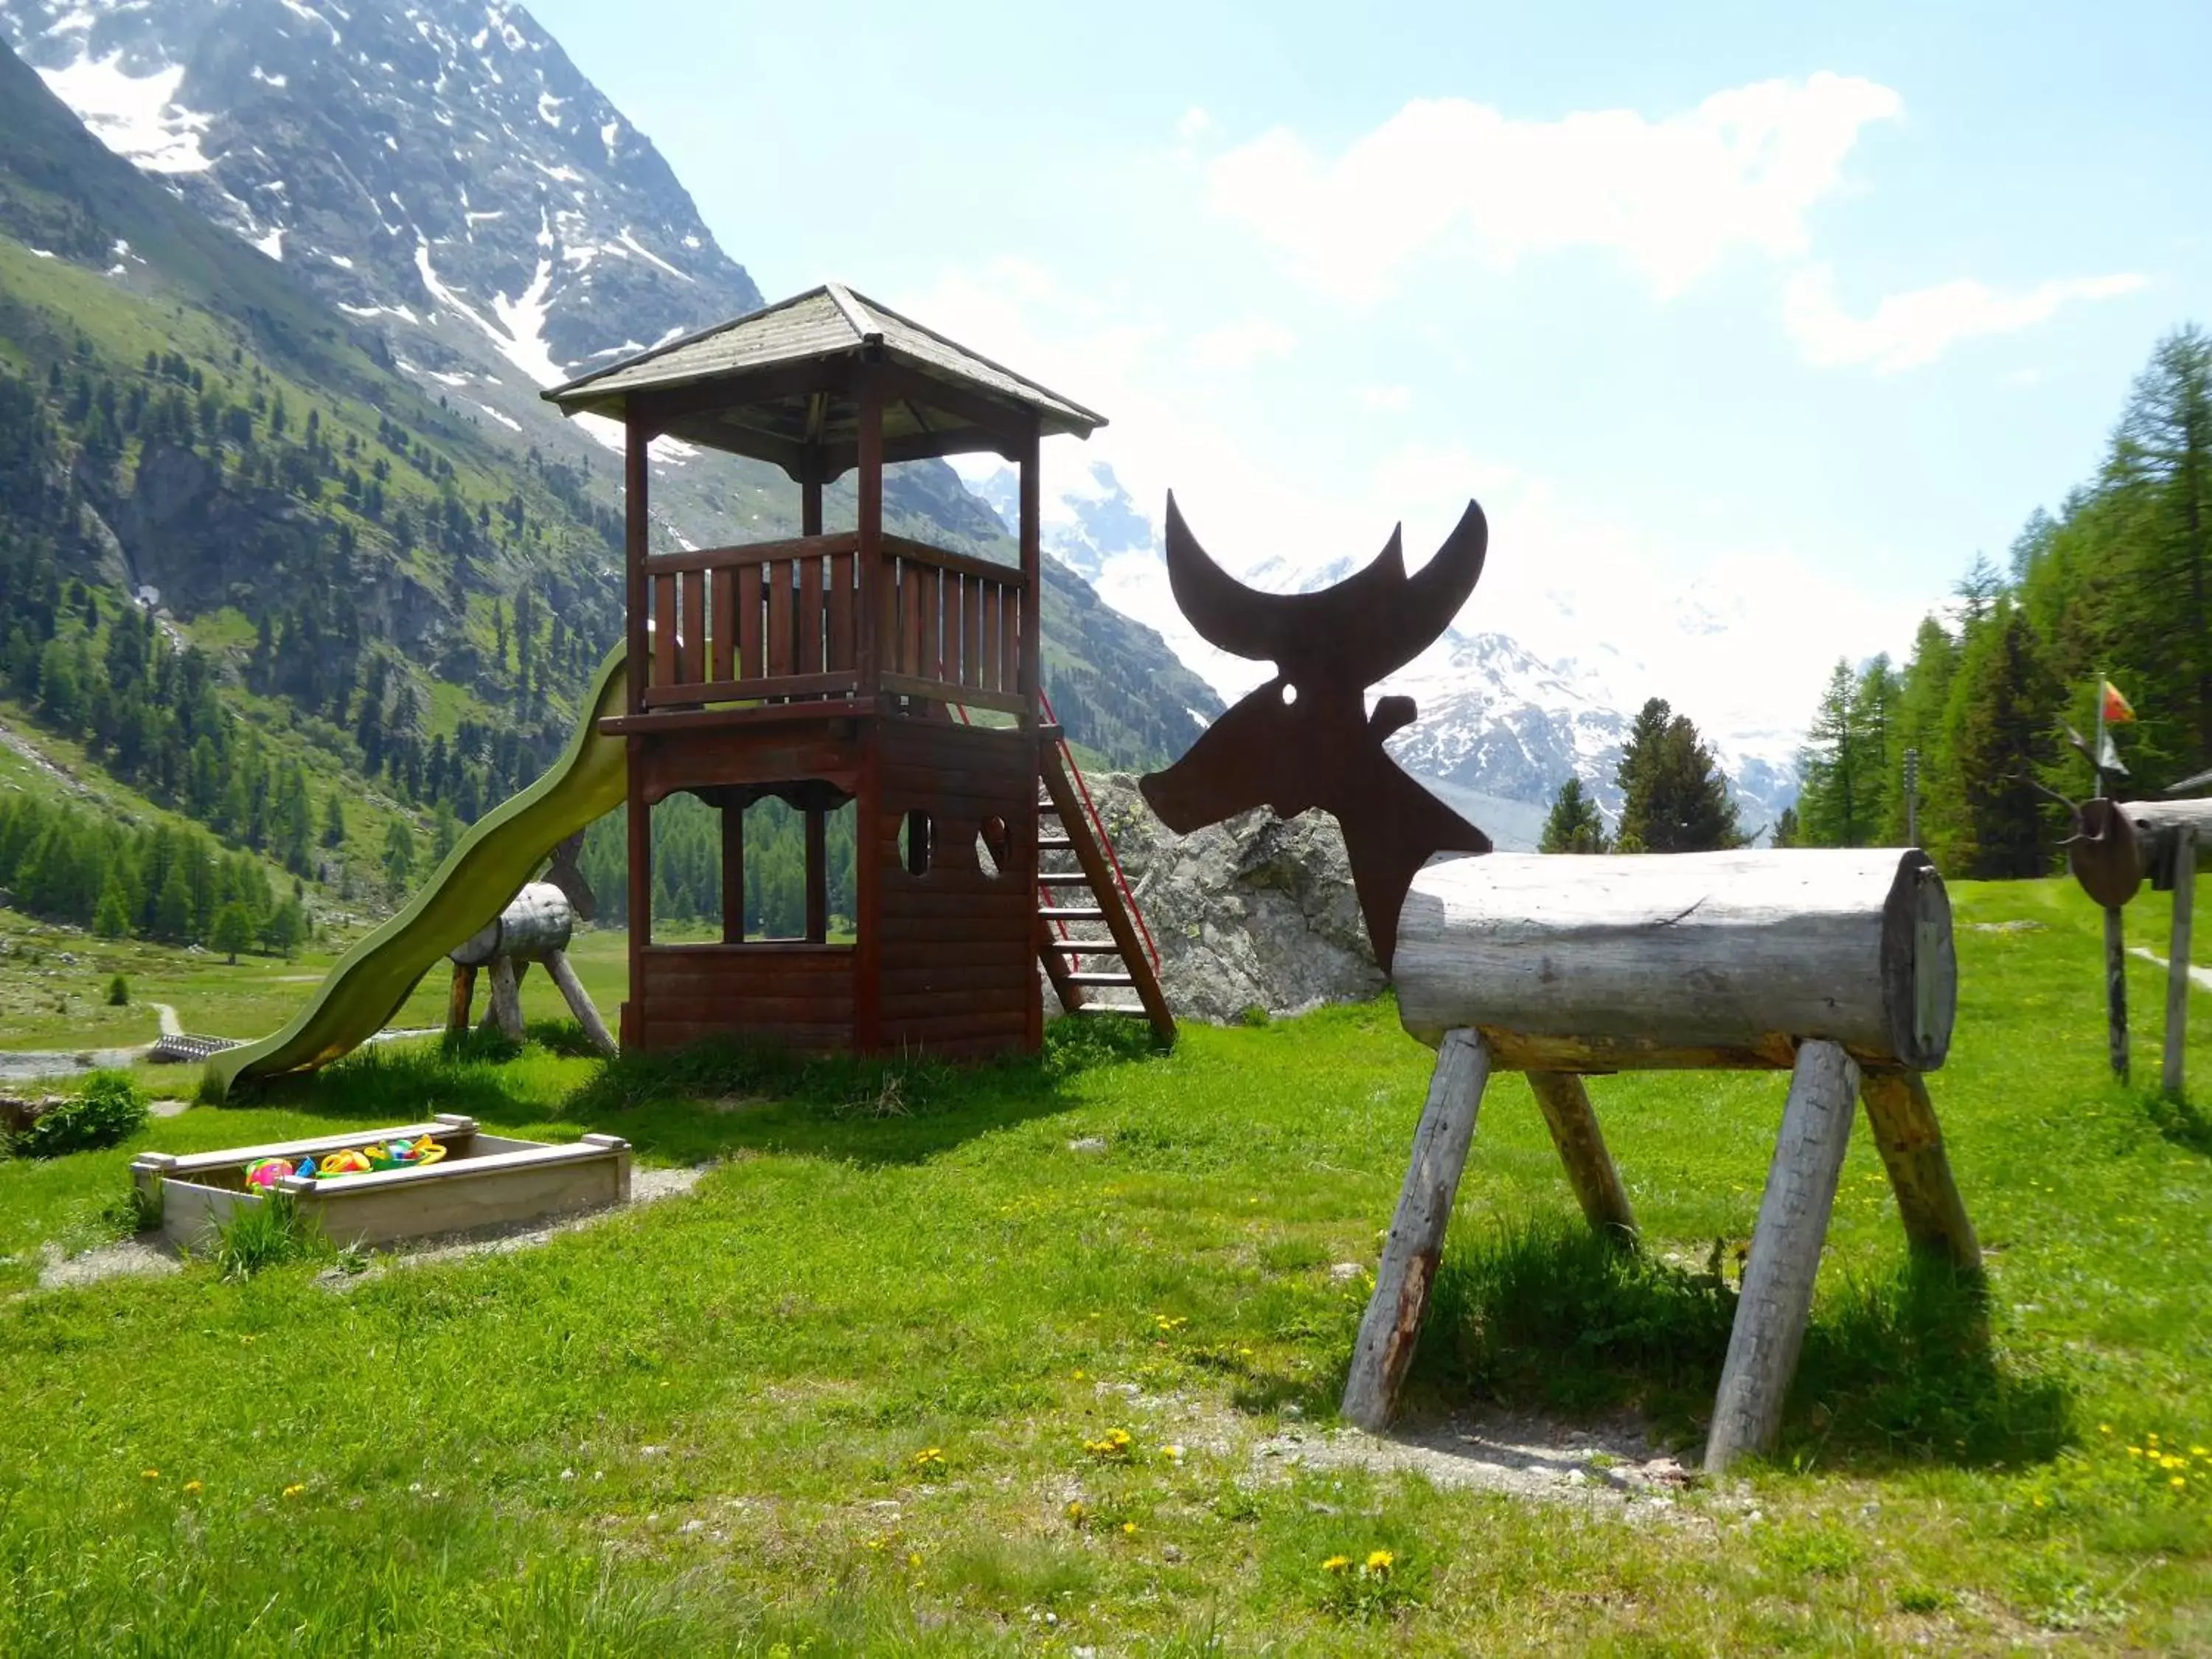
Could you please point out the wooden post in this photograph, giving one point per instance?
(1785, 1254)
(579, 1004)
(637, 436)
(1410, 1254)
(1903, 1119)
(875, 843)
(1566, 1104)
(1032, 545)
(810, 499)
(458, 1000)
(2177, 961)
(817, 875)
(733, 871)
(505, 999)
(2116, 992)
(868, 487)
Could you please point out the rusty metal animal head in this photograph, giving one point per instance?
(1305, 738)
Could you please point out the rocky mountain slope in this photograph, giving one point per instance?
(1499, 729)
(485, 223)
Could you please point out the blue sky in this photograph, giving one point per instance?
(1749, 325)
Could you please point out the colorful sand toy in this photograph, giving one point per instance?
(415, 1154)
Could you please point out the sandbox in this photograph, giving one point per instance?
(482, 1181)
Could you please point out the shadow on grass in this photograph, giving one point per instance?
(2180, 1121)
(1545, 1316)
(872, 1111)
(717, 1099)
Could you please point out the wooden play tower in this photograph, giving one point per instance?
(864, 667)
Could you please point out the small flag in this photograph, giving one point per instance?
(2108, 759)
(2117, 707)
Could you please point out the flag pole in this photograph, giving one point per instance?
(2116, 952)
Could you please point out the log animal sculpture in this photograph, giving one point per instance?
(1835, 967)
(535, 927)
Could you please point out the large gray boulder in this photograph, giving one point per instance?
(1254, 912)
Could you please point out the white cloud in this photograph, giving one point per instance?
(1241, 343)
(1385, 400)
(1671, 196)
(1194, 123)
(1905, 331)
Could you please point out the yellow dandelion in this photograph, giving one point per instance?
(1336, 1564)
(1128, 1529)
(2104, 1428)
(1078, 1511)
(1079, 1376)
(295, 1491)
(2179, 1482)
(1381, 1561)
(2199, 1451)
(2038, 1500)
(191, 1486)
(2135, 1452)
(914, 1559)
(149, 1474)
(929, 1458)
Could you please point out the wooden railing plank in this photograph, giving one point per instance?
(691, 635)
(722, 603)
(750, 665)
(664, 630)
(717, 558)
(809, 660)
(841, 612)
(777, 577)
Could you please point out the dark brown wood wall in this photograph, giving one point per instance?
(799, 996)
(958, 951)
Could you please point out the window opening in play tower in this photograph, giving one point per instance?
(916, 834)
(993, 847)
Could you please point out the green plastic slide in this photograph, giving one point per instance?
(501, 852)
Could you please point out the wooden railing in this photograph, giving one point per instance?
(783, 620)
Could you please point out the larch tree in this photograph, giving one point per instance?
(1574, 824)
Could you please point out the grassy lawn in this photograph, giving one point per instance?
(855, 1391)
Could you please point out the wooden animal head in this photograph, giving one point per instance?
(567, 874)
(1305, 738)
(2104, 853)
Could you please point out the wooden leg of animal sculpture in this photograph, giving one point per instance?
(2116, 992)
(1565, 1103)
(579, 1004)
(1393, 1322)
(505, 999)
(1903, 1119)
(2177, 960)
(457, 1002)
(1785, 1254)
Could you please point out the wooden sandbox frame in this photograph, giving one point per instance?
(484, 1180)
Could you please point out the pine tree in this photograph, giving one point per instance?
(1674, 799)
(172, 906)
(1991, 820)
(334, 823)
(398, 855)
(1574, 824)
(1786, 830)
(232, 931)
(112, 919)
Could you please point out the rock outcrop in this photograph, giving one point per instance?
(1254, 912)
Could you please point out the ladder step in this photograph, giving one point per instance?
(1070, 913)
(1125, 1011)
(1062, 878)
(1101, 979)
(1054, 844)
(1081, 947)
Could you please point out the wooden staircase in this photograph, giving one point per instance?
(1080, 887)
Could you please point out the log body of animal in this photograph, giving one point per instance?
(1583, 964)
(538, 919)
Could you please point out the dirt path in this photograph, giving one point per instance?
(167, 1016)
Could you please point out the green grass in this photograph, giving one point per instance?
(700, 1427)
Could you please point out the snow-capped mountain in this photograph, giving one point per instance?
(1500, 727)
(442, 173)
(404, 159)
